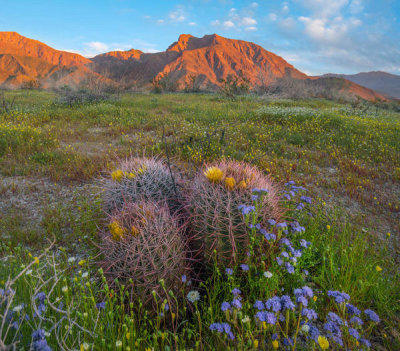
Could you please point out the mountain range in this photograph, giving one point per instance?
(382, 82)
(208, 60)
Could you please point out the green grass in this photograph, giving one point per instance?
(349, 161)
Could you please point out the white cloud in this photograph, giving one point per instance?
(96, 46)
(272, 17)
(215, 23)
(324, 8)
(228, 24)
(192, 24)
(177, 16)
(160, 21)
(356, 6)
(254, 5)
(285, 7)
(250, 29)
(248, 21)
(149, 50)
(287, 24)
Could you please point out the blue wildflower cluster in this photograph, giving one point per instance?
(39, 342)
(223, 328)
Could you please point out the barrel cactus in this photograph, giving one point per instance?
(142, 245)
(136, 178)
(212, 201)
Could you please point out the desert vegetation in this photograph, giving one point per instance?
(198, 221)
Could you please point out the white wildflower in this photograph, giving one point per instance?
(268, 274)
(18, 308)
(193, 296)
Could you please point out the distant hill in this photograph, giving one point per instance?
(382, 82)
(208, 59)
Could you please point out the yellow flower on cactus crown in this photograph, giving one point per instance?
(134, 231)
(214, 174)
(230, 183)
(242, 185)
(323, 342)
(116, 230)
(117, 175)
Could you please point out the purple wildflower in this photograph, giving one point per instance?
(339, 297)
(225, 306)
(309, 313)
(356, 320)
(274, 303)
(237, 304)
(354, 333)
(229, 271)
(372, 316)
(259, 305)
(244, 267)
(287, 303)
(236, 291)
(101, 305)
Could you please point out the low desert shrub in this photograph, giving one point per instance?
(213, 199)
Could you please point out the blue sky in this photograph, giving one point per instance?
(316, 36)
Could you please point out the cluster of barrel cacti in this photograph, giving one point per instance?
(156, 228)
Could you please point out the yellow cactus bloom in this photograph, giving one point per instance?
(275, 344)
(130, 175)
(116, 230)
(117, 175)
(214, 174)
(242, 185)
(378, 268)
(230, 183)
(142, 170)
(323, 342)
(134, 231)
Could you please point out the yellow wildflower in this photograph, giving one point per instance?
(315, 298)
(378, 268)
(323, 342)
(230, 183)
(134, 231)
(116, 230)
(213, 174)
(255, 343)
(242, 185)
(328, 227)
(36, 260)
(388, 235)
(82, 262)
(275, 344)
(117, 175)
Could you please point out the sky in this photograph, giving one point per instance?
(316, 36)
